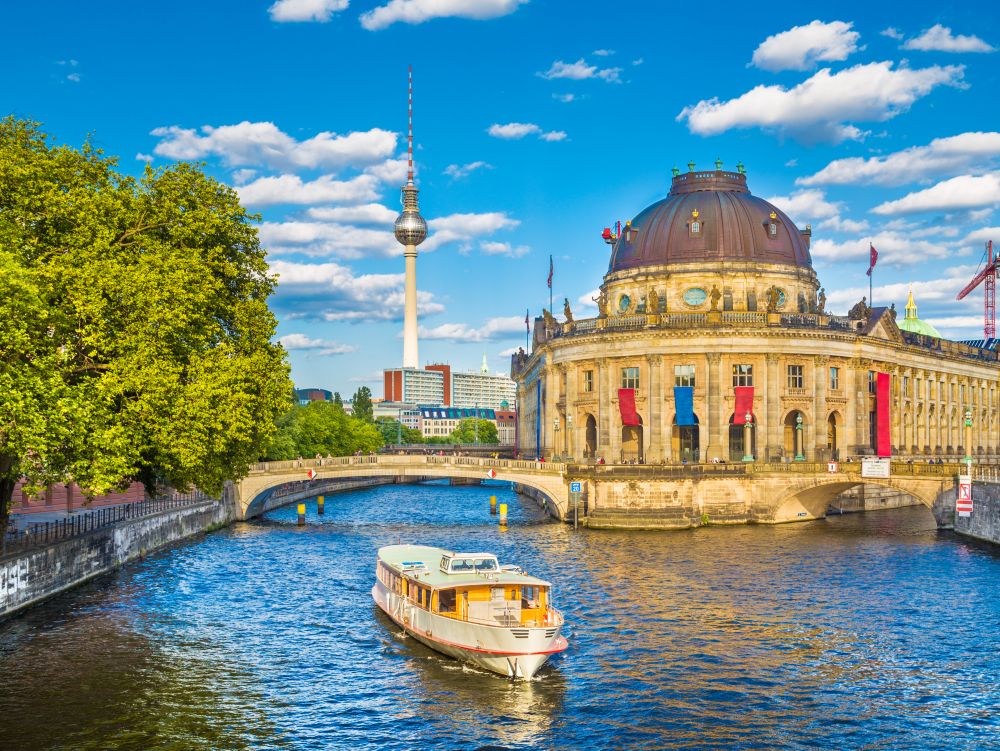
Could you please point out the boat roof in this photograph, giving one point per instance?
(422, 563)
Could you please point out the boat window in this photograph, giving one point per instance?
(529, 597)
(446, 601)
(486, 564)
(462, 564)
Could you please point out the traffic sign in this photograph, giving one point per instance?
(831, 467)
(576, 487)
(312, 473)
(491, 473)
(963, 504)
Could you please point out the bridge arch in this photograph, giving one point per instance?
(254, 492)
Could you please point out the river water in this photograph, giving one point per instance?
(866, 631)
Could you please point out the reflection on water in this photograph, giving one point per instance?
(864, 631)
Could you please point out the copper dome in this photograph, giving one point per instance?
(706, 217)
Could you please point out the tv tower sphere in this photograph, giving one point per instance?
(410, 227)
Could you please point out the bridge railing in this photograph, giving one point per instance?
(41, 534)
(986, 474)
(406, 460)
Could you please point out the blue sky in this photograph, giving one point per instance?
(537, 124)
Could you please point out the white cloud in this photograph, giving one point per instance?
(418, 11)
(581, 70)
(941, 156)
(806, 204)
(604, 53)
(822, 107)
(331, 292)
(509, 351)
(391, 171)
(587, 299)
(984, 234)
(327, 240)
(492, 248)
(565, 98)
(458, 171)
(894, 249)
(637, 61)
(940, 39)
(306, 10)
(369, 213)
(285, 189)
(892, 33)
(515, 131)
(144, 157)
(464, 228)
(963, 192)
(494, 328)
(74, 77)
(242, 176)
(264, 144)
(801, 47)
(840, 224)
(941, 290)
(319, 346)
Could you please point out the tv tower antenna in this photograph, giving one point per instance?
(410, 230)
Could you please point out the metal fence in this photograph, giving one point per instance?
(41, 534)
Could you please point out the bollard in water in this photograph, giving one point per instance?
(319, 505)
(302, 514)
(493, 505)
(503, 516)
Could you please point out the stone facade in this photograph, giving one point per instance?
(723, 321)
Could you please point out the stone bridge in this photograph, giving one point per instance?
(658, 495)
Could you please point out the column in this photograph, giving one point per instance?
(713, 397)
(651, 434)
(572, 444)
(772, 394)
(850, 439)
(821, 382)
(666, 432)
(603, 410)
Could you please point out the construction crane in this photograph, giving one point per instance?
(989, 275)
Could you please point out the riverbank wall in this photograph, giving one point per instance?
(984, 522)
(29, 577)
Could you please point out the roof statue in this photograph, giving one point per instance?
(821, 304)
(714, 297)
(653, 303)
(860, 311)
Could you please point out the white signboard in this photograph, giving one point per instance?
(831, 467)
(875, 468)
(963, 504)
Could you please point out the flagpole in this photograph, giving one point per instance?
(550, 286)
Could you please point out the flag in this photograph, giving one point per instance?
(527, 326)
(872, 257)
(550, 272)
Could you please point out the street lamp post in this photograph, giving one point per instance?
(475, 423)
(968, 439)
(799, 456)
(569, 435)
(555, 441)
(748, 437)
(399, 427)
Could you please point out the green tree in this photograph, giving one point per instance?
(392, 430)
(466, 431)
(338, 400)
(362, 403)
(321, 428)
(137, 341)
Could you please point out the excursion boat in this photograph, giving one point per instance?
(468, 606)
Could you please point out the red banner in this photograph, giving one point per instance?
(744, 404)
(626, 404)
(882, 398)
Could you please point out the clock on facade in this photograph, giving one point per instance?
(695, 297)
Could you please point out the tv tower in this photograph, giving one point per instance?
(410, 230)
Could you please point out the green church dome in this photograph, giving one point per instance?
(913, 324)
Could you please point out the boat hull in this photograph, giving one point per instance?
(513, 652)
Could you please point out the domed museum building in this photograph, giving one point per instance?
(712, 343)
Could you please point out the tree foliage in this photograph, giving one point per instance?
(392, 430)
(466, 431)
(321, 428)
(362, 404)
(137, 337)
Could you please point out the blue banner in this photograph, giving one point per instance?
(684, 404)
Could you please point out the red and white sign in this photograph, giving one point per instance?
(831, 467)
(963, 505)
(491, 473)
(312, 473)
